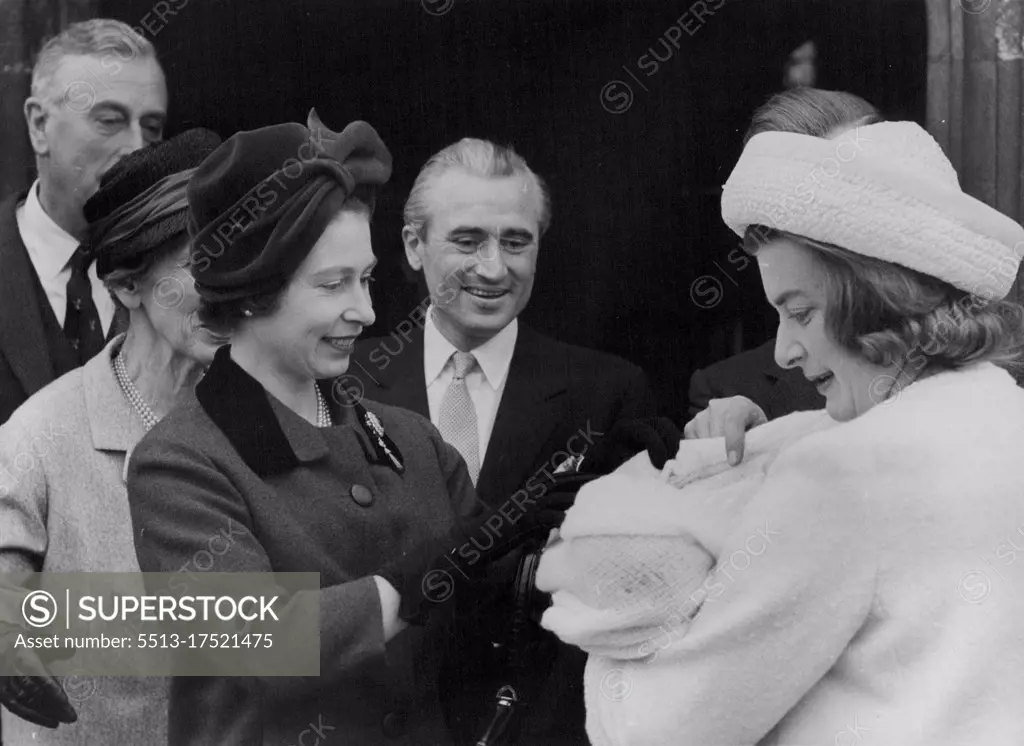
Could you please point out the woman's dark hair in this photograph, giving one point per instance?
(886, 313)
(811, 111)
(225, 315)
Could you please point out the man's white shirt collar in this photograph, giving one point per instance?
(44, 232)
(494, 356)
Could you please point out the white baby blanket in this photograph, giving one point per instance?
(637, 546)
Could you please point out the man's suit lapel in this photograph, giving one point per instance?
(21, 323)
(532, 405)
(395, 367)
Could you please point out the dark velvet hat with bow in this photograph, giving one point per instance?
(261, 201)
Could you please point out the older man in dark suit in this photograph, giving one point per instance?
(98, 93)
(519, 406)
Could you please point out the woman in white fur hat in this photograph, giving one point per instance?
(864, 589)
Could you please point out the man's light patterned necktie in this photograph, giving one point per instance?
(458, 416)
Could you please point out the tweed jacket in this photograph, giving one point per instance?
(296, 498)
(64, 508)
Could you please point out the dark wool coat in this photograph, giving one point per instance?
(234, 461)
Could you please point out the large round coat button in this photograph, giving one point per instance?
(362, 495)
(394, 724)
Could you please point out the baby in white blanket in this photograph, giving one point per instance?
(633, 557)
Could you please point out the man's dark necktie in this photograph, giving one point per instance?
(81, 320)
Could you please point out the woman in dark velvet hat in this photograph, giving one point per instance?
(63, 453)
(309, 478)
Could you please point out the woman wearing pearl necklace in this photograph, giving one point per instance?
(63, 454)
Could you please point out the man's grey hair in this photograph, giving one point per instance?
(480, 158)
(112, 41)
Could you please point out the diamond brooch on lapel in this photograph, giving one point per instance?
(372, 425)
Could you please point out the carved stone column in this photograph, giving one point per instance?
(975, 52)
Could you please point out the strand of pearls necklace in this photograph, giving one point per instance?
(323, 413)
(149, 419)
(131, 393)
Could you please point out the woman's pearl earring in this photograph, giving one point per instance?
(247, 312)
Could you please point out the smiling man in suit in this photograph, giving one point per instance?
(514, 402)
(98, 93)
(518, 405)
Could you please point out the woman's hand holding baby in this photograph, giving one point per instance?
(731, 418)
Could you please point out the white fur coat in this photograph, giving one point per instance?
(848, 584)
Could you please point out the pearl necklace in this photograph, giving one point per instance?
(323, 414)
(132, 394)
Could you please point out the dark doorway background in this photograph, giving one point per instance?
(635, 193)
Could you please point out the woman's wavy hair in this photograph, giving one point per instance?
(887, 314)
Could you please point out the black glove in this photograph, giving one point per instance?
(659, 436)
(31, 692)
(477, 561)
(429, 577)
(548, 510)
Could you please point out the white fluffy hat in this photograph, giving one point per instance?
(883, 190)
